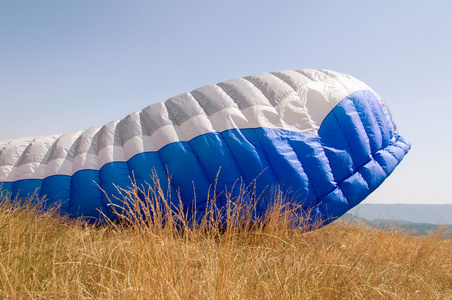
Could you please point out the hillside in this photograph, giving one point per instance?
(415, 213)
(419, 229)
(412, 228)
(43, 256)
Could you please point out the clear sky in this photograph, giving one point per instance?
(70, 65)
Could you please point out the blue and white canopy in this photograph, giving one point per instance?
(324, 138)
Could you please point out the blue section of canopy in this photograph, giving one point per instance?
(355, 150)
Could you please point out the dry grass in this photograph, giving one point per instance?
(46, 257)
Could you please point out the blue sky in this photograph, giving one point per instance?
(69, 65)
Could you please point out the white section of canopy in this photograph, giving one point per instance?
(293, 100)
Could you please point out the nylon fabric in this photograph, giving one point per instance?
(325, 139)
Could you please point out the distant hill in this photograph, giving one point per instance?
(412, 228)
(414, 213)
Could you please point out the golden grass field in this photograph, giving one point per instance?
(43, 256)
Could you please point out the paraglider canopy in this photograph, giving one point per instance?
(324, 139)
